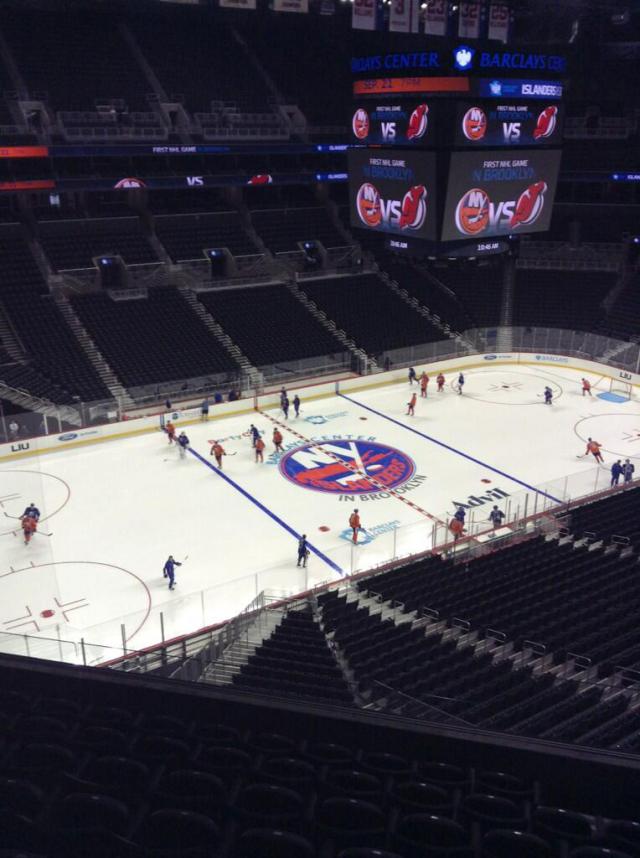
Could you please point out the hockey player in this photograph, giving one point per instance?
(593, 447)
(440, 382)
(496, 516)
(171, 432)
(354, 524)
(303, 551)
(424, 381)
(412, 375)
(254, 435)
(586, 387)
(627, 471)
(32, 511)
(411, 405)
(460, 514)
(29, 527)
(457, 528)
(616, 472)
(217, 450)
(204, 409)
(460, 383)
(168, 571)
(285, 407)
(296, 404)
(259, 445)
(283, 395)
(548, 396)
(183, 444)
(277, 440)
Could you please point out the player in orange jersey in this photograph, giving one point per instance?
(354, 524)
(412, 404)
(29, 527)
(259, 450)
(440, 381)
(586, 387)
(456, 526)
(171, 432)
(277, 440)
(424, 381)
(593, 447)
(217, 450)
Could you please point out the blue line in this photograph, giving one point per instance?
(265, 509)
(447, 447)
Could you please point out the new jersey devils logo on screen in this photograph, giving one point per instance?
(418, 122)
(472, 212)
(360, 123)
(414, 208)
(529, 206)
(474, 124)
(368, 205)
(546, 124)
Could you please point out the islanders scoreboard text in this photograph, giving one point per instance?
(453, 147)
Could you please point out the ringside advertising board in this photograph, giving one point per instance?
(393, 191)
(496, 193)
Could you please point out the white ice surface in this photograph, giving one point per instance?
(116, 510)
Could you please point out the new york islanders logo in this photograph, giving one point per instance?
(472, 212)
(418, 122)
(368, 205)
(347, 467)
(360, 124)
(474, 124)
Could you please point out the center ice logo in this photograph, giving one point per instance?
(347, 467)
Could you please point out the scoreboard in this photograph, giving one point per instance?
(444, 156)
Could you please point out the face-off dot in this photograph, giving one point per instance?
(47, 613)
(363, 418)
(324, 528)
(485, 480)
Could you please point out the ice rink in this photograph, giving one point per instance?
(113, 512)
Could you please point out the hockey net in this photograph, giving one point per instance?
(621, 388)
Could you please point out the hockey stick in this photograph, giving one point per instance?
(15, 517)
(43, 533)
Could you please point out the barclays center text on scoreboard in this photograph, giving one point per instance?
(454, 151)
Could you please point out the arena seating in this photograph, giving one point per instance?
(623, 320)
(59, 369)
(145, 342)
(213, 73)
(186, 236)
(477, 287)
(122, 767)
(566, 299)
(296, 661)
(615, 515)
(98, 64)
(269, 324)
(282, 229)
(374, 316)
(74, 244)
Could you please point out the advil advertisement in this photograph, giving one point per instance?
(499, 193)
(393, 192)
(514, 123)
(410, 123)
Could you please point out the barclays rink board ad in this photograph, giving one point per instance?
(392, 123)
(513, 123)
(500, 192)
(393, 192)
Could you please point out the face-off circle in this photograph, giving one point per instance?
(20, 488)
(347, 467)
(618, 433)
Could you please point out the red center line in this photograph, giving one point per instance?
(355, 470)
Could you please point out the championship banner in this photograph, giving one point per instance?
(499, 22)
(364, 14)
(436, 18)
(404, 16)
(291, 6)
(470, 16)
(237, 4)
